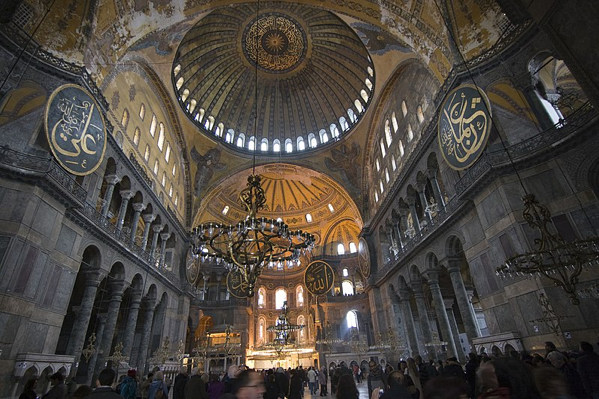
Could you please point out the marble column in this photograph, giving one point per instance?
(116, 288)
(454, 330)
(126, 195)
(101, 323)
(137, 208)
(77, 339)
(156, 229)
(148, 219)
(432, 176)
(131, 323)
(422, 194)
(403, 222)
(415, 221)
(397, 231)
(442, 318)
(203, 295)
(163, 238)
(425, 324)
(466, 311)
(537, 107)
(408, 318)
(111, 181)
(219, 279)
(149, 305)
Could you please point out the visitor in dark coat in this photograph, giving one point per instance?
(296, 385)
(59, 389)
(180, 381)
(104, 386)
(29, 389)
(195, 388)
(453, 368)
(396, 387)
(587, 366)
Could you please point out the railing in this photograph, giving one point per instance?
(23, 162)
(529, 148)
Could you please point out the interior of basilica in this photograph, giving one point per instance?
(285, 183)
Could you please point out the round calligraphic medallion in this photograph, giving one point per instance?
(75, 129)
(363, 258)
(192, 269)
(236, 284)
(319, 277)
(464, 126)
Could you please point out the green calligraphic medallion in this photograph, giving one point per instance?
(75, 129)
(319, 277)
(464, 126)
(236, 284)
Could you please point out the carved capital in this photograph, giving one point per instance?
(148, 217)
(127, 194)
(112, 179)
(139, 207)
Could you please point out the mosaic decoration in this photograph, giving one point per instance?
(275, 42)
(464, 126)
(75, 129)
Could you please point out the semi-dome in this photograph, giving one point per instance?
(304, 73)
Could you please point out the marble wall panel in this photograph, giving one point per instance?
(545, 186)
(491, 209)
(66, 240)
(44, 219)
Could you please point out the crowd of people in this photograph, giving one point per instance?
(520, 375)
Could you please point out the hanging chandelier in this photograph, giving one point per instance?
(283, 327)
(561, 262)
(253, 243)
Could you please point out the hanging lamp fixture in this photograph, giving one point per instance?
(254, 242)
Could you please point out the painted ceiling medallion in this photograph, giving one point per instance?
(276, 42)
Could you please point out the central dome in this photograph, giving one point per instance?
(279, 80)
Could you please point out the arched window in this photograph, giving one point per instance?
(376, 197)
(401, 149)
(147, 153)
(142, 112)
(378, 165)
(261, 330)
(370, 71)
(388, 133)
(364, 95)
(280, 298)
(240, 140)
(225, 210)
(352, 319)
(125, 119)
(170, 191)
(161, 137)
(219, 130)
(393, 164)
(359, 106)
(324, 137)
(174, 169)
(352, 116)
(410, 133)
(420, 114)
(312, 140)
(276, 145)
(394, 120)
(347, 287)
(167, 154)
(386, 175)
(343, 123)
(352, 248)
(299, 294)
(192, 105)
(331, 208)
(163, 181)
(382, 186)
(229, 136)
(308, 218)
(261, 298)
(155, 167)
(153, 126)
(288, 145)
(184, 95)
(404, 108)
(200, 115)
(177, 69)
(176, 199)
(264, 145)
(340, 249)
(136, 136)
(334, 130)
(180, 82)
(209, 122)
(252, 143)
(301, 321)
(383, 149)
(368, 84)
(301, 146)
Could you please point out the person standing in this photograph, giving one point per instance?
(296, 385)
(312, 380)
(59, 389)
(322, 379)
(104, 388)
(129, 385)
(195, 388)
(587, 366)
(158, 385)
(180, 381)
(29, 389)
(250, 385)
(396, 387)
(375, 378)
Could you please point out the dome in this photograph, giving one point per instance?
(302, 70)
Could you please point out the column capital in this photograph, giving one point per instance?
(148, 217)
(432, 277)
(403, 212)
(404, 294)
(112, 179)
(93, 278)
(157, 228)
(411, 200)
(431, 173)
(117, 288)
(165, 236)
(448, 303)
(127, 194)
(417, 289)
(139, 206)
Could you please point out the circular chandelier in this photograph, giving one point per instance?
(253, 243)
(283, 327)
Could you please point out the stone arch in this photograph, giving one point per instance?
(432, 262)
(91, 258)
(453, 246)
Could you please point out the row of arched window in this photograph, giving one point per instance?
(397, 152)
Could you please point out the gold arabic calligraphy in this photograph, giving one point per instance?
(464, 127)
(237, 284)
(319, 278)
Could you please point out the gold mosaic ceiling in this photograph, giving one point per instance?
(300, 69)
